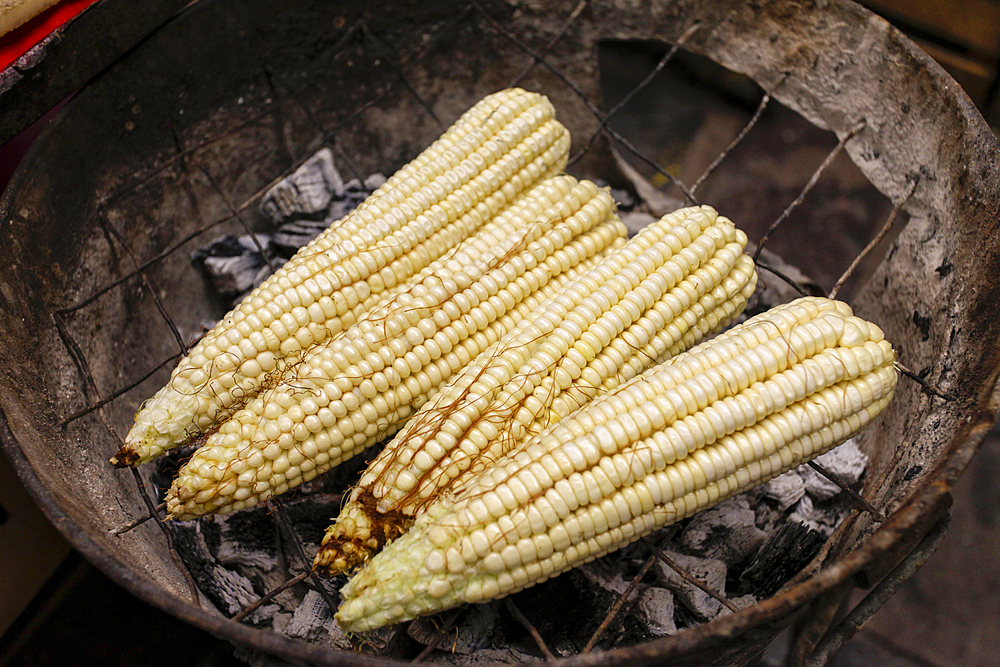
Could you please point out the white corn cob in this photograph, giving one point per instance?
(731, 413)
(494, 152)
(676, 281)
(356, 388)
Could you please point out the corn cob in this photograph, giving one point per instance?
(676, 281)
(494, 152)
(731, 413)
(351, 391)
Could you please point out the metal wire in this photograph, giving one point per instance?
(470, 12)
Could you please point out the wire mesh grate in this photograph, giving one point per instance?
(141, 273)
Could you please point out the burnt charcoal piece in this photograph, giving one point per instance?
(307, 192)
(565, 610)
(712, 573)
(791, 548)
(234, 264)
(822, 517)
(165, 469)
(228, 590)
(786, 489)
(472, 631)
(726, 532)
(252, 530)
(846, 461)
(310, 514)
(655, 610)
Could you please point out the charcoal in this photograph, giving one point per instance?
(786, 489)
(708, 571)
(234, 265)
(313, 621)
(355, 192)
(471, 634)
(223, 246)
(228, 590)
(235, 551)
(656, 611)
(280, 621)
(353, 187)
(786, 553)
(846, 461)
(340, 209)
(610, 582)
(822, 518)
(306, 192)
(767, 516)
(251, 530)
(546, 605)
(726, 532)
(625, 200)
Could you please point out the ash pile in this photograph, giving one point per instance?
(719, 561)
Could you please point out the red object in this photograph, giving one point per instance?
(19, 41)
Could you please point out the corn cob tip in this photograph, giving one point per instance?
(125, 457)
(402, 579)
(359, 532)
(162, 423)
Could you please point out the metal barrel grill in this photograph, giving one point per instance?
(178, 140)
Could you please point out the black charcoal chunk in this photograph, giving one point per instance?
(485, 656)
(786, 489)
(792, 547)
(310, 618)
(374, 182)
(726, 532)
(655, 610)
(546, 605)
(228, 590)
(472, 632)
(846, 461)
(307, 192)
(612, 582)
(710, 572)
(821, 517)
(234, 265)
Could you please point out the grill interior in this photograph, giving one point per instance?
(177, 143)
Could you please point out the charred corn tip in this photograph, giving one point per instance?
(498, 149)
(678, 280)
(766, 396)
